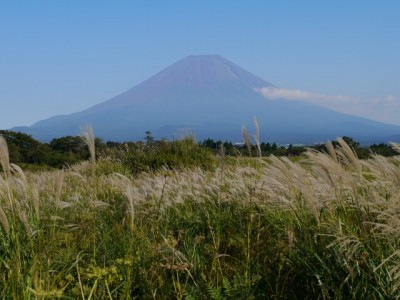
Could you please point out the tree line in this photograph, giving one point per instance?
(151, 153)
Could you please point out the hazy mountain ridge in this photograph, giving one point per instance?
(213, 97)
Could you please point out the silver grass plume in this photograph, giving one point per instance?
(246, 136)
(88, 137)
(396, 147)
(348, 156)
(4, 157)
(257, 135)
(331, 151)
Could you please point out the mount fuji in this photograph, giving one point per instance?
(212, 98)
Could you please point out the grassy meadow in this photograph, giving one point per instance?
(324, 226)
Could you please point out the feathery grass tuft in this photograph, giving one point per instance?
(396, 147)
(257, 135)
(4, 157)
(88, 137)
(246, 137)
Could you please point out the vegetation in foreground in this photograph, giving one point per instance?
(325, 227)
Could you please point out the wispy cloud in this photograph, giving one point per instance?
(274, 93)
(385, 109)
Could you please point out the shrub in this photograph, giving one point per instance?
(179, 154)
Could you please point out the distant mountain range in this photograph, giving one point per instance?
(210, 97)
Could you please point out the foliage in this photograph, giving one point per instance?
(178, 154)
(152, 154)
(324, 227)
(22, 147)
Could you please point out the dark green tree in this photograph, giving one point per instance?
(22, 147)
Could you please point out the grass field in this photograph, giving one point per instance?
(326, 226)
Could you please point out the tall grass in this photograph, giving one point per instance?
(325, 227)
(257, 136)
(88, 137)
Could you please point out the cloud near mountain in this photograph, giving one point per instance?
(380, 109)
(274, 93)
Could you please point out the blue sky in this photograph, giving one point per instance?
(59, 57)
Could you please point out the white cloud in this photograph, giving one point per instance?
(381, 109)
(391, 100)
(277, 93)
(274, 93)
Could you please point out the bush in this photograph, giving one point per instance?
(179, 154)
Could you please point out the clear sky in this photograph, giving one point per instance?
(59, 57)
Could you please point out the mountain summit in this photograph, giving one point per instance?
(196, 73)
(212, 97)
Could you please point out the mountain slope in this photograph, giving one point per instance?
(213, 97)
